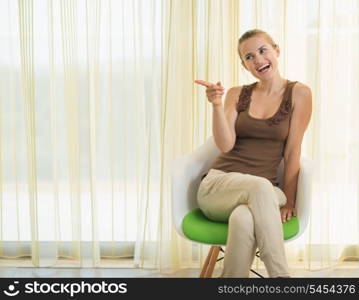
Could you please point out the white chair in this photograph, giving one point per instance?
(186, 177)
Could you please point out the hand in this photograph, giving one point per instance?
(287, 211)
(214, 91)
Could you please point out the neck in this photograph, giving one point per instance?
(271, 86)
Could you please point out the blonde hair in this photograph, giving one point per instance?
(251, 33)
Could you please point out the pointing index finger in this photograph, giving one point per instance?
(204, 83)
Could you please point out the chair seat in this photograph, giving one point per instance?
(197, 227)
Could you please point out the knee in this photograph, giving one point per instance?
(260, 185)
(241, 217)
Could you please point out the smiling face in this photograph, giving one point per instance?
(259, 57)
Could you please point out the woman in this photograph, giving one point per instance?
(259, 124)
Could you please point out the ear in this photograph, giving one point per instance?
(277, 50)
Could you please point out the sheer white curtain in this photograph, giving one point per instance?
(80, 131)
(97, 99)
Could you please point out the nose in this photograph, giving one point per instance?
(258, 61)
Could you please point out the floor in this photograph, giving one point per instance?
(344, 270)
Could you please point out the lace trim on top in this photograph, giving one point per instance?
(282, 113)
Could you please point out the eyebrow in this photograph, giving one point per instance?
(257, 49)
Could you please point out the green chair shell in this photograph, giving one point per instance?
(197, 227)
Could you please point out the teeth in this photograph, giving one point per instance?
(261, 68)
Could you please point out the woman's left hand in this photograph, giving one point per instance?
(287, 211)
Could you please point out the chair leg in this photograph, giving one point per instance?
(210, 262)
(254, 272)
(259, 275)
(212, 258)
(205, 266)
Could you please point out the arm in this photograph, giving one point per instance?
(223, 122)
(302, 110)
(223, 118)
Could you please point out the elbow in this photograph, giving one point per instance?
(225, 145)
(293, 156)
(226, 148)
(230, 145)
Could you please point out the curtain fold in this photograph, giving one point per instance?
(97, 98)
(28, 92)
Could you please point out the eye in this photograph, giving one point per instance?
(249, 57)
(262, 50)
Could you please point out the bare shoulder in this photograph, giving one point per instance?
(301, 95)
(233, 94)
(301, 88)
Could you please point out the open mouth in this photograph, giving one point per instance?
(264, 68)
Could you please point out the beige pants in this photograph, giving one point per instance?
(250, 204)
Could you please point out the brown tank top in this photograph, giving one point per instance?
(260, 143)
